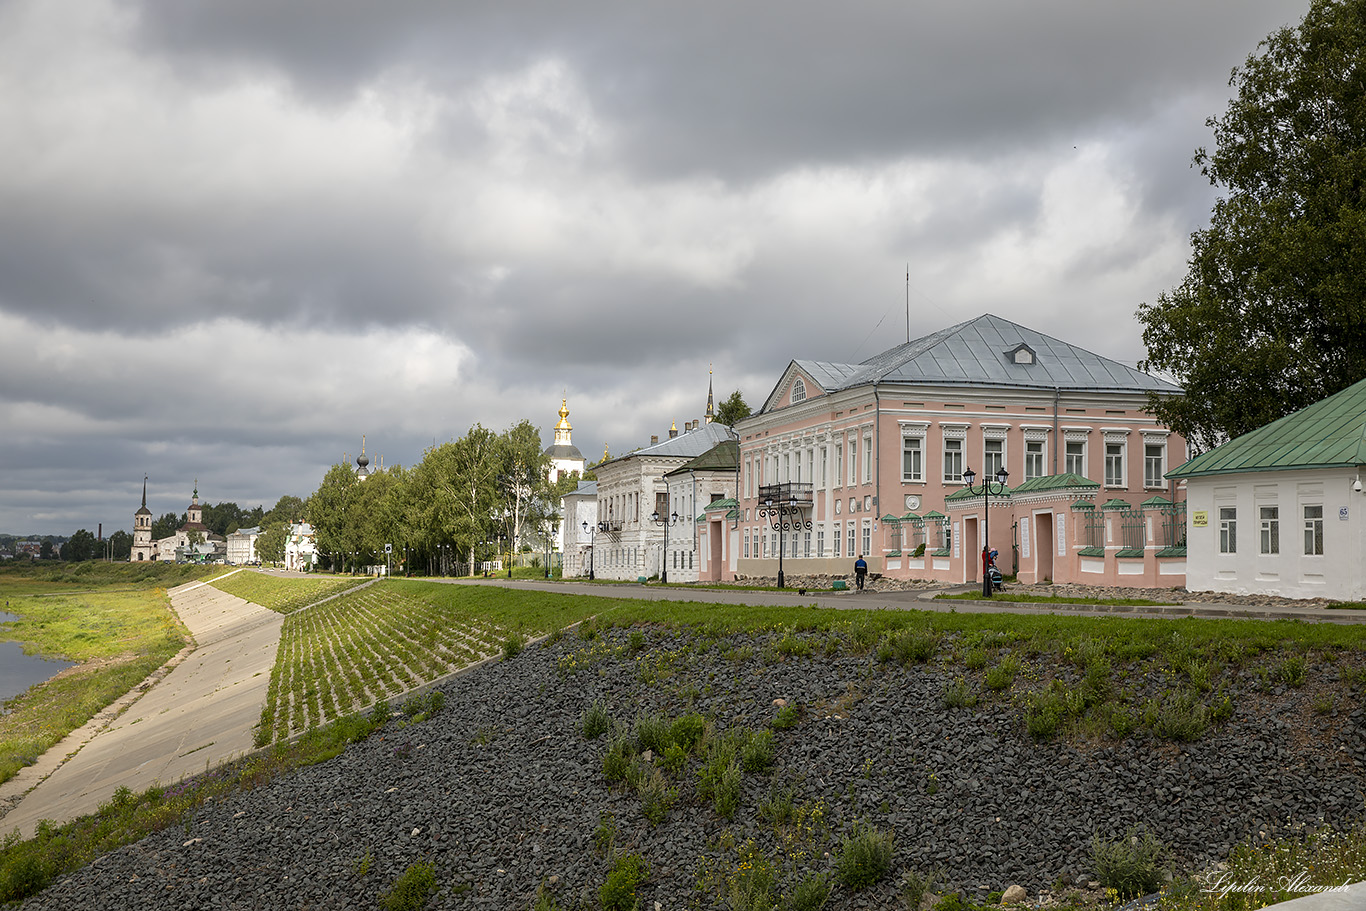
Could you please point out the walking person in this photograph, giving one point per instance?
(860, 571)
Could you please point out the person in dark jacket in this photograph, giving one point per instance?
(860, 571)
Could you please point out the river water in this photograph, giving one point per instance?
(18, 671)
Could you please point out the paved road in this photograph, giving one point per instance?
(199, 715)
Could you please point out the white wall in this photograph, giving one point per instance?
(1337, 574)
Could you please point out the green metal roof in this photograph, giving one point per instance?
(891, 518)
(1115, 504)
(1064, 481)
(724, 456)
(726, 503)
(1330, 433)
(966, 494)
(1154, 502)
(910, 517)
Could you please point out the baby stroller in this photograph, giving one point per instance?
(993, 573)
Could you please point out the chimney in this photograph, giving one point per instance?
(99, 535)
(654, 439)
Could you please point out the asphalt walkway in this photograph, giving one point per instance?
(199, 715)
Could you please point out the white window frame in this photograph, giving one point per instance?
(1313, 529)
(853, 537)
(993, 456)
(1035, 459)
(1154, 464)
(868, 458)
(953, 461)
(915, 447)
(1114, 464)
(1269, 519)
(1228, 529)
(839, 532)
(798, 391)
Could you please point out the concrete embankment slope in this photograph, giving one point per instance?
(197, 716)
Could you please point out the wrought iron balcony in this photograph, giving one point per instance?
(790, 493)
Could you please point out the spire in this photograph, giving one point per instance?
(605, 454)
(563, 428)
(144, 491)
(362, 461)
(196, 490)
(711, 400)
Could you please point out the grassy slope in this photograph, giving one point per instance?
(281, 594)
(113, 619)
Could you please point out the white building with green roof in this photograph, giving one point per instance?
(1278, 511)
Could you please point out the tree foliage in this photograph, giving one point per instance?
(732, 410)
(120, 546)
(1271, 315)
(81, 546)
(166, 526)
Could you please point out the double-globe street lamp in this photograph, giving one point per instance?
(985, 492)
(666, 521)
(592, 532)
(784, 515)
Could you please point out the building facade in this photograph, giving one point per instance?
(192, 541)
(1279, 511)
(301, 548)
(846, 460)
(695, 549)
(632, 491)
(241, 546)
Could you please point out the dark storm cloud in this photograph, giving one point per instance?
(737, 89)
(236, 236)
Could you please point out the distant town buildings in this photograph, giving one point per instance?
(241, 546)
(301, 548)
(192, 540)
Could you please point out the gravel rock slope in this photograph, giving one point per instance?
(501, 792)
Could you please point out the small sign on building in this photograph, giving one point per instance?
(1200, 519)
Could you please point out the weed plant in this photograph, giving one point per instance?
(1133, 864)
(595, 721)
(864, 858)
(788, 716)
(620, 891)
(412, 890)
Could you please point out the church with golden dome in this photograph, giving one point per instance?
(564, 455)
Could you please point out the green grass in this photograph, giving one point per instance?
(117, 631)
(282, 594)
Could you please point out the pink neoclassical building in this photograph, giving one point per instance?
(869, 458)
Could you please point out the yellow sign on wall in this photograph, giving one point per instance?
(1200, 518)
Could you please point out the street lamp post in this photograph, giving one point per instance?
(986, 491)
(782, 516)
(666, 521)
(592, 532)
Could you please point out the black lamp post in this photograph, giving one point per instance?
(666, 521)
(592, 532)
(985, 491)
(778, 515)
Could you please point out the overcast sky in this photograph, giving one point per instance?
(237, 235)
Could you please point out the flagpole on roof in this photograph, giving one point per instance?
(908, 302)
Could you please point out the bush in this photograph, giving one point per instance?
(864, 858)
(1132, 865)
(618, 892)
(687, 731)
(595, 721)
(958, 695)
(411, 890)
(513, 645)
(1001, 676)
(757, 753)
(787, 717)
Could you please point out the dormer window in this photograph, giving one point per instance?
(1021, 354)
(798, 391)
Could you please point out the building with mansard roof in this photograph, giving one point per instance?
(635, 509)
(868, 456)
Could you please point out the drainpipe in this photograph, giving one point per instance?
(1057, 443)
(877, 467)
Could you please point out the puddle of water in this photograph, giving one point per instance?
(18, 671)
